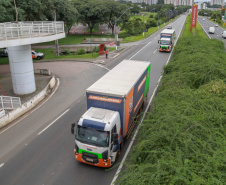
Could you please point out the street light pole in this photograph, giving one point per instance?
(116, 35)
(116, 38)
(56, 41)
(143, 25)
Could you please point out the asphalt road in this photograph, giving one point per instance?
(38, 148)
(218, 30)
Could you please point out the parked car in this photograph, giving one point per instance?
(216, 25)
(37, 55)
(3, 52)
(224, 34)
(211, 30)
(203, 19)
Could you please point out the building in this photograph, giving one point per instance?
(202, 5)
(179, 2)
(217, 2)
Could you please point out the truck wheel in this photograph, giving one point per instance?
(38, 58)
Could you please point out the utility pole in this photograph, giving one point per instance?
(143, 24)
(116, 36)
(56, 41)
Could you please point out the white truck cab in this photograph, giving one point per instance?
(97, 133)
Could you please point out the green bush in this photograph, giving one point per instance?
(182, 140)
(96, 49)
(81, 52)
(134, 27)
(67, 52)
(151, 16)
(151, 23)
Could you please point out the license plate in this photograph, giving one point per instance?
(88, 159)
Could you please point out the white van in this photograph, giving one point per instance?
(224, 34)
(211, 29)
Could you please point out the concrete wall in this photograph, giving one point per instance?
(12, 115)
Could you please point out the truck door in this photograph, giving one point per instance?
(114, 130)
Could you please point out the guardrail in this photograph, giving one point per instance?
(9, 102)
(18, 30)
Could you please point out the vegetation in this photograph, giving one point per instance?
(182, 140)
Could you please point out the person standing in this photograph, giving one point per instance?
(106, 52)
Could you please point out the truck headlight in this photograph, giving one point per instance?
(105, 155)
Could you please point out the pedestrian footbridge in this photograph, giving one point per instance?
(17, 37)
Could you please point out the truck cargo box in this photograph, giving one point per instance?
(122, 89)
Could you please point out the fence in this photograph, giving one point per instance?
(9, 102)
(13, 30)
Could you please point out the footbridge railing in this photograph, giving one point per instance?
(18, 30)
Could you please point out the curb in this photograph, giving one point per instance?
(19, 111)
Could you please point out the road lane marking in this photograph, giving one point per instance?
(102, 67)
(136, 132)
(53, 121)
(140, 50)
(1, 165)
(155, 51)
(58, 83)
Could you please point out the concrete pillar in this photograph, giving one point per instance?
(22, 70)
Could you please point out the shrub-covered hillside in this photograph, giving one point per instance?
(183, 138)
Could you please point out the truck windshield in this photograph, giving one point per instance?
(165, 42)
(92, 136)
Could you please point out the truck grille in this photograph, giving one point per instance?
(90, 158)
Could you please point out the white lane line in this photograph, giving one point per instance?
(1, 165)
(53, 121)
(102, 66)
(140, 50)
(58, 83)
(155, 51)
(133, 139)
(115, 56)
(204, 30)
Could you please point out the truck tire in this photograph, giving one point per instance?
(38, 58)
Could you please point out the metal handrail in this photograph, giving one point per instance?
(13, 30)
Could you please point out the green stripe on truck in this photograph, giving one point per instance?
(147, 81)
(99, 155)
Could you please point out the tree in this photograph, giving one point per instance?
(115, 10)
(135, 9)
(134, 27)
(90, 12)
(34, 10)
(7, 11)
(160, 2)
(65, 11)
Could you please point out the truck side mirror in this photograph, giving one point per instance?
(72, 128)
(115, 139)
(158, 41)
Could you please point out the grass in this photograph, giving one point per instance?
(4, 60)
(151, 30)
(145, 17)
(183, 137)
(198, 31)
(50, 54)
(76, 39)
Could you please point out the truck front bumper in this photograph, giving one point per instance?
(166, 50)
(99, 163)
